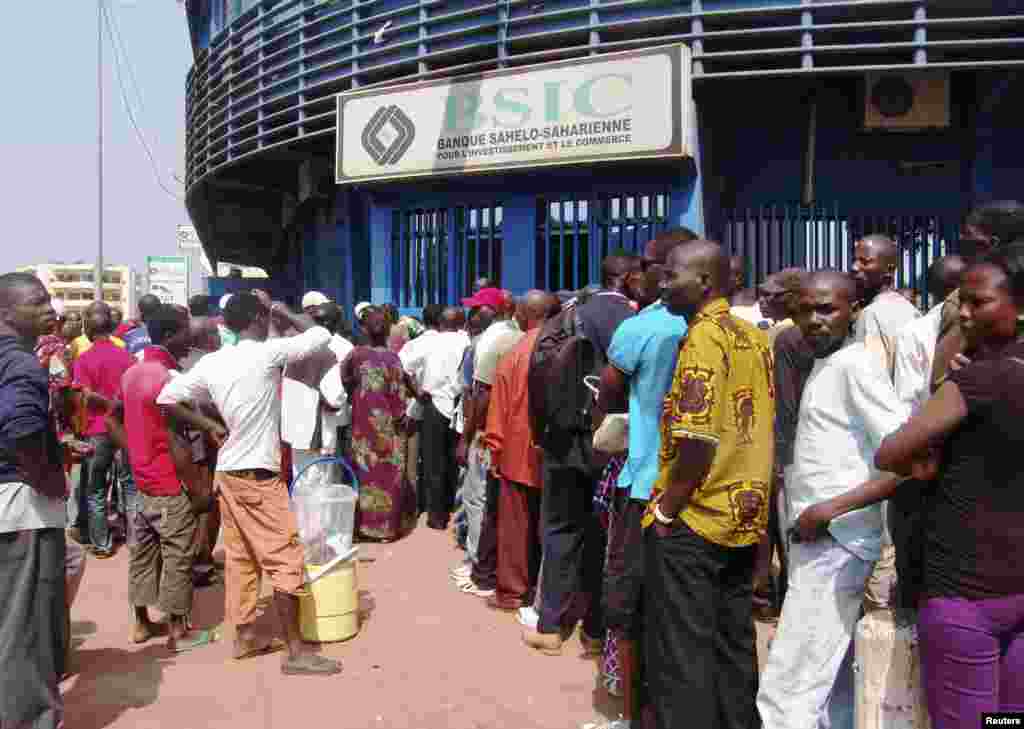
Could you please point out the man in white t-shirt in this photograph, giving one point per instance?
(915, 345)
(337, 413)
(433, 364)
(884, 311)
(260, 530)
(848, 407)
(314, 404)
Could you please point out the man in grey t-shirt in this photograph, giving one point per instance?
(479, 489)
(883, 315)
(884, 312)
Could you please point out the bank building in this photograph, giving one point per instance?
(397, 150)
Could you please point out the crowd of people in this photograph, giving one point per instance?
(657, 460)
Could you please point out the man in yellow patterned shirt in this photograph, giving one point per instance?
(709, 508)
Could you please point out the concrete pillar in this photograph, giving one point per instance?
(382, 263)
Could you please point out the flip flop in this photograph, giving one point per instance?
(199, 639)
(153, 630)
(275, 645)
(310, 665)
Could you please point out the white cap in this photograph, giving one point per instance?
(224, 301)
(58, 306)
(314, 298)
(360, 308)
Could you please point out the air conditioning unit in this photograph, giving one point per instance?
(906, 102)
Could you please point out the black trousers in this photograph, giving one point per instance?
(906, 510)
(574, 551)
(778, 542)
(699, 642)
(32, 628)
(624, 570)
(437, 448)
(485, 570)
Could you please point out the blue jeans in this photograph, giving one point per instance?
(131, 499)
(75, 510)
(94, 487)
(474, 495)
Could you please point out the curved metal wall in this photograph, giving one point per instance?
(269, 78)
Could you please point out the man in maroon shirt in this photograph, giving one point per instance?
(99, 371)
(165, 524)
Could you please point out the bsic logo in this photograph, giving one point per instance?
(388, 134)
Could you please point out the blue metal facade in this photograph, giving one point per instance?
(261, 128)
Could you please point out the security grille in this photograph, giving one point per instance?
(773, 237)
(438, 253)
(575, 233)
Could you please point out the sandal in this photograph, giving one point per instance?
(273, 646)
(310, 665)
(198, 640)
(144, 632)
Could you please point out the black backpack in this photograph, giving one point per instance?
(560, 404)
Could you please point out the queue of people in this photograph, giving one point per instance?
(810, 450)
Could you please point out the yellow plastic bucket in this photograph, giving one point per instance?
(330, 610)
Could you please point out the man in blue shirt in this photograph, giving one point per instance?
(136, 338)
(642, 361)
(33, 487)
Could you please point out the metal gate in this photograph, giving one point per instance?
(437, 253)
(576, 232)
(773, 237)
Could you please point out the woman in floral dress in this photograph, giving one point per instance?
(378, 389)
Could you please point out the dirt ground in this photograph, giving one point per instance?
(426, 657)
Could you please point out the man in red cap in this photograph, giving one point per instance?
(480, 489)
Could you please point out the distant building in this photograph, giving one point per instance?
(199, 267)
(74, 284)
(228, 270)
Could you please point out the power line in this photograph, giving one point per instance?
(114, 33)
(137, 87)
(123, 47)
(131, 114)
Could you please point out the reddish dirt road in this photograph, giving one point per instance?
(427, 657)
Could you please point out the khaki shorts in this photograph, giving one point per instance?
(260, 535)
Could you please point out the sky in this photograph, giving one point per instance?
(48, 133)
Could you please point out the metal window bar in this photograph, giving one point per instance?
(478, 235)
(440, 252)
(398, 272)
(773, 237)
(576, 232)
